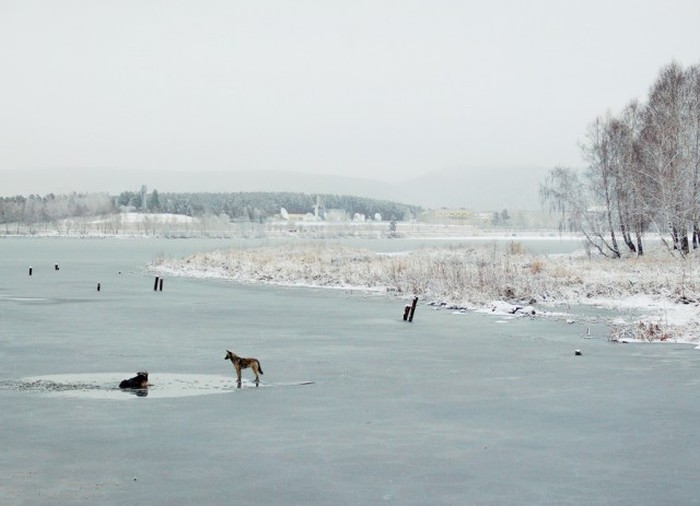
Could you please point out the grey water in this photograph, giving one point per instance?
(453, 408)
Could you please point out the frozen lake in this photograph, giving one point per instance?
(451, 409)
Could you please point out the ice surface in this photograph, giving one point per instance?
(453, 408)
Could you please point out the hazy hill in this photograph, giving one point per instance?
(115, 181)
(485, 189)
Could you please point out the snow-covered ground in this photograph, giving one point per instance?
(160, 218)
(659, 289)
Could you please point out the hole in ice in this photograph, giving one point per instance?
(106, 385)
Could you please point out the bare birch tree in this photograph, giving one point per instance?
(643, 168)
(662, 157)
(599, 152)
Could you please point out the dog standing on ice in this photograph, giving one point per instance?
(240, 363)
(138, 381)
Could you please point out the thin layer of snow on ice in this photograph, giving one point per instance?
(162, 385)
(106, 385)
(22, 299)
(501, 308)
(220, 273)
(654, 310)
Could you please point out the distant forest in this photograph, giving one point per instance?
(240, 206)
(256, 206)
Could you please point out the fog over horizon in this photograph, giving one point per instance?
(387, 93)
(497, 188)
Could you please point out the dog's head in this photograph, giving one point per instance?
(142, 379)
(229, 356)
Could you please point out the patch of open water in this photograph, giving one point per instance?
(105, 385)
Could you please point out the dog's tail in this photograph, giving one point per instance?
(259, 366)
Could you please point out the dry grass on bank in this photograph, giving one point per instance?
(454, 276)
(460, 277)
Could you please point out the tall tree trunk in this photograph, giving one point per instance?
(680, 240)
(640, 248)
(627, 238)
(624, 230)
(613, 239)
(685, 244)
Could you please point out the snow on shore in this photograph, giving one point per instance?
(660, 290)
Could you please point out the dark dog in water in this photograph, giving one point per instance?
(138, 381)
(244, 363)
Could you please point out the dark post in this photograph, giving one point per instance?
(30, 270)
(413, 309)
(160, 286)
(155, 285)
(98, 287)
(55, 266)
(406, 310)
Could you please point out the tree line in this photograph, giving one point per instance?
(642, 174)
(241, 206)
(257, 206)
(52, 208)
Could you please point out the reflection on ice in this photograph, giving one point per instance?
(22, 299)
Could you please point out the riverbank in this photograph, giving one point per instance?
(178, 226)
(660, 291)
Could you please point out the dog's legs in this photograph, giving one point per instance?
(238, 376)
(254, 367)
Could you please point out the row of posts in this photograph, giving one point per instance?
(408, 311)
(157, 286)
(55, 267)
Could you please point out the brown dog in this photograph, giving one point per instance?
(240, 363)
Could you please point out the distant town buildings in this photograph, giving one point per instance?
(448, 216)
(456, 216)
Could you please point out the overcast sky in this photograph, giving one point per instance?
(367, 88)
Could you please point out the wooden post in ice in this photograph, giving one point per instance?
(55, 267)
(98, 287)
(406, 311)
(413, 308)
(30, 270)
(160, 285)
(155, 285)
